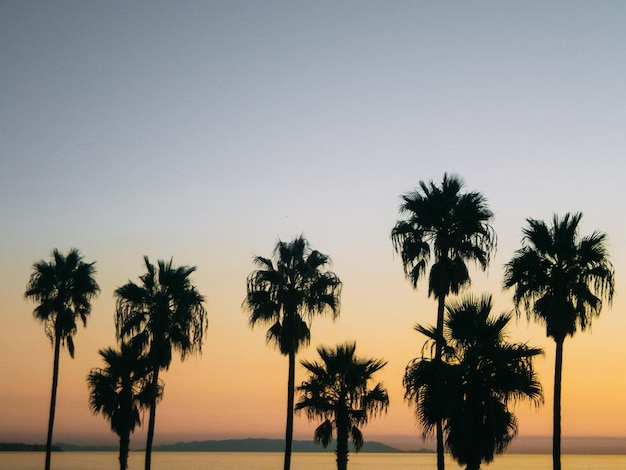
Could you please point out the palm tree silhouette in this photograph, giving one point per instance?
(119, 390)
(63, 288)
(161, 314)
(286, 292)
(560, 280)
(451, 228)
(338, 392)
(491, 373)
(482, 374)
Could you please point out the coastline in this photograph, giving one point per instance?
(571, 445)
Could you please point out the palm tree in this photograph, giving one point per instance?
(163, 313)
(560, 280)
(63, 289)
(286, 292)
(482, 374)
(119, 391)
(489, 374)
(450, 228)
(338, 392)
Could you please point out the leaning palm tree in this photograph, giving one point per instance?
(161, 314)
(63, 289)
(119, 391)
(489, 374)
(450, 228)
(285, 292)
(338, 392)
(560, 280)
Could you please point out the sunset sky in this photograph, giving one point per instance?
(205, 131)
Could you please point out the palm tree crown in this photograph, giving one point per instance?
(447, 226)
(560, 280)
(63, 289)
(338, 392)
(161, 314)
(286, 291)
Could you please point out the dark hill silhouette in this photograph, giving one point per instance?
(261, 445)
(19, 447)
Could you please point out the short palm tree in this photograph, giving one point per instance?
(482, 374)
(119, 391)
(161, 314)
(63, 289)
(560, 280)
(490, 373)
(451, 228)
(285, 292)
(338, 392)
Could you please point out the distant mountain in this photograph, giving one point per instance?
(263, 445)
(19, 447)
(228, 445)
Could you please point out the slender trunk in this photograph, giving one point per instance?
(556, 418)
(124, 446)
(53, 397)
(290, 399)
(342, 442)
(438, 356)
(155, 392)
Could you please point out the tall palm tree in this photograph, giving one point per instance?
(560, 280)
(482, 374)
(450, 228)
(119, 391)
(338, 392)
(161, 314)
(285, 292)
(63, 289)
(489, 374)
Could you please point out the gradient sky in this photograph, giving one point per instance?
(206, 131)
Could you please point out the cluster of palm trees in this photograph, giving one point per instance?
(286, 292)
(460, 386)
(161, 314)
(559, 279)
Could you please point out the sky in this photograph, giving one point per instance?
(204, 132)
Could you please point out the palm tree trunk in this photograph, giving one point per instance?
(124, 446)
(291, 383)
(342, 443)
(556, 418)
(150, 438)
(53, 397)
(441, 303)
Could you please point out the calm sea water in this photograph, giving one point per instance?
(300, 461)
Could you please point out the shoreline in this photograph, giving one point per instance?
(539, 445)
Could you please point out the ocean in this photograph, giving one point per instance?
(300, 461)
